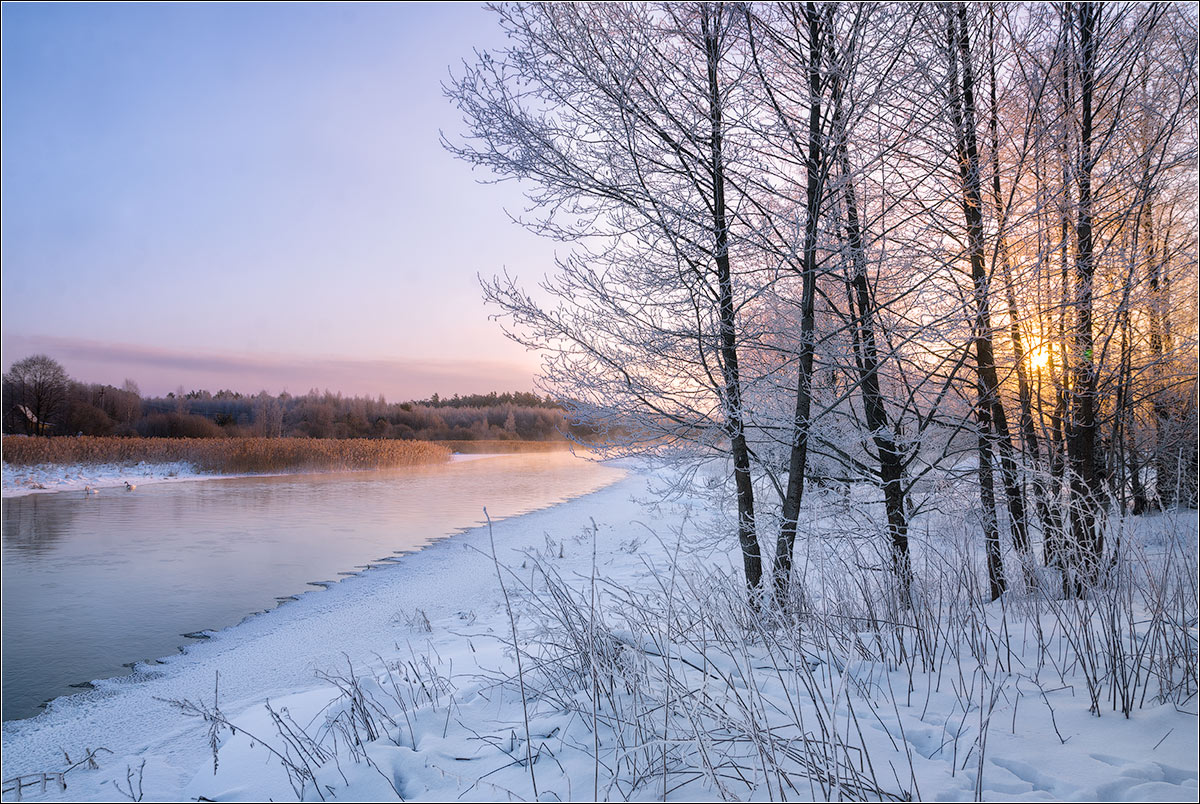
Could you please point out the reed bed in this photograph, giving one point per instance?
(226, 455)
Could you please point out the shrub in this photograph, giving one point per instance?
(179, 425)
(88, 420)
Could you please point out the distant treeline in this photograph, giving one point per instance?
(520, 399)
(39, 398)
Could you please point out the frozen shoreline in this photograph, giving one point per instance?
(439, 615)
(21, 481)
(276, 653)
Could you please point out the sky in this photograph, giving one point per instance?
(252, 197)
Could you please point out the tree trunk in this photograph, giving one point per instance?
(1086, 479)
(1024, 391)
(1060, 547)
(987, 497)
(862, 308)
(734, 414)
(989, 411)
(985, 354)
(1164, 474)
(798, 459)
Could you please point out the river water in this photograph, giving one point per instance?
(94, 583)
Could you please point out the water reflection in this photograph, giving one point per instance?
(92, 583)
(35, 527)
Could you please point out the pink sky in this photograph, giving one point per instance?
(158, 370)
(253, 197)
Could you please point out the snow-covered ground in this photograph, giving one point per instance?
(641, 670)
(48, 478)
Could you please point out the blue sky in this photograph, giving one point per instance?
(252, 196)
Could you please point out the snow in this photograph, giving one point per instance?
(48, 478)
(432, 708)
(20, 481)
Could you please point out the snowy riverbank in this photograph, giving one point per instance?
(19, 481)
(49, 478)
(437, 711)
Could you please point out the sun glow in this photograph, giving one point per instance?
(1039, 357)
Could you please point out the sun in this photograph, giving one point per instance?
(1039, 357)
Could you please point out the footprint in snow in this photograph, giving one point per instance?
(1026, 773)
(1151, 782)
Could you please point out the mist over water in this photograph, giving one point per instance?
(92, 583)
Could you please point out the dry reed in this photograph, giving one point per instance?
(226, 455)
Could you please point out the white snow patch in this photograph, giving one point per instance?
(47, 478)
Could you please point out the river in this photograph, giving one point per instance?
(93, 583)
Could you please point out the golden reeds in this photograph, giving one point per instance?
(226, 455)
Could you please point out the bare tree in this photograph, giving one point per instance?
(823, 68)
(795, 78)
(627, 120)
(36, 391)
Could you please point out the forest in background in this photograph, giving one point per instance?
(41, 399)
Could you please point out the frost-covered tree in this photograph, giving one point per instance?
(628, 124)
